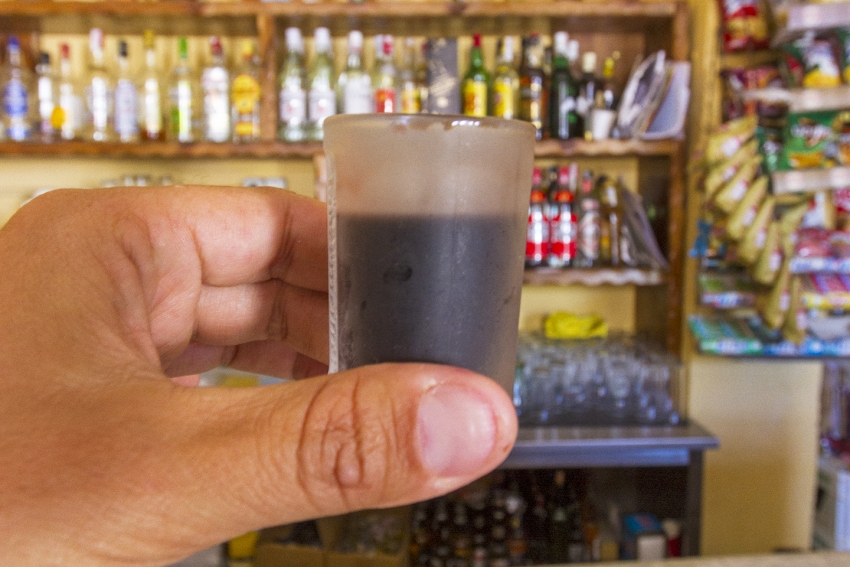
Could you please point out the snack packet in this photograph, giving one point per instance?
(728, 197)
(744, 25)
(809, 141)
(729, 138)
(769, 261)
(821, 212)
(814, 58)
(841, 131)
(771, 142)
(796, 320)
(791, 218)
(726, 170)
(755, 237)
(747, 210)
(843, 35)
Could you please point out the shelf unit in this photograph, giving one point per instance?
(631, 26)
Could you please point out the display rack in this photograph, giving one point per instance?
(801, 18)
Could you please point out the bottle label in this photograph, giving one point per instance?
(214, 83)
(474, 98)
(537, 238)
(385, 101)
(411, 103)
(181, 111)
(322, 104)
(245, 93)
(293, 105)
(504, 103)
(126, 105)
(358, 96)
(99, 101)
(152, 108)
(15, 102)
(563, 238)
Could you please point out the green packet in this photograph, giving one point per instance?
(810, 141)
(771, 143)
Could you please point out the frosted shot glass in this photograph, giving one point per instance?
(427, 223)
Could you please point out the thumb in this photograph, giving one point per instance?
(372, 437)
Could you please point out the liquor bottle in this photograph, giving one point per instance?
(559, 519)
(537, 238)
(215, 88)
(410, 94)
(354, 86)
(610, 216)
(422, 75)
(151, 105)
(562, 231)
(67, 115)
(98, 91)
(293, 96)
(606, 97)
(531, 84)
(563, 118)
(126, 99)
(245, 96)
(18, 86)
(476, 82)
(48, 99)
(183, 98)
(587, 91)
(386, 77)
(588, 233)
(321, 99)
(504, 97)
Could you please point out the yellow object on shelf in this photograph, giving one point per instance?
(561, 325)
(243, 547)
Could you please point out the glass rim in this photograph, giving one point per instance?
(426, 120)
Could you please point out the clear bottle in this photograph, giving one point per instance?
(422, 75)
(18, 86)
(67, 115)
(562, 221)
(589, 224)
(606, 96)
(126, 99)
(410, 93)
(48, 99)
(531, 84)
(245, 96)
(385, 81)
(98, 91)
(321, 100)
(587, 91)
(563, 115)
(293, 97)
(183, 98)
(504, 97)
(354, 87)
(215, 88)
(537, 237)
(150, 101)
(476, 82)
(610, 221)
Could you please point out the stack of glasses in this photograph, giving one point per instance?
(615, 381)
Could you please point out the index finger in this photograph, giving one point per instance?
(249, 235)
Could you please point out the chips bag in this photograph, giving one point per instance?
(729, 138)
(770, 258)
(726, 170)
(774, 307)
(744, 25)
(811, 62)
(747, 210)
(809, 141)
(728, 197)
(796, 320)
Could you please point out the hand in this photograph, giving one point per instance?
(105, 459)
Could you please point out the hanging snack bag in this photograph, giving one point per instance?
(770, 258)
(755, 237)
(744, 25)
(727, 169)
(745, 213)
(791, 218)
(809, 141)
(729, 138)
(774, 307)
(814, 58)
(796, 321)
(728, 197)
(821, 212)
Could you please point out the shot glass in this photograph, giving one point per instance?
(427, 221)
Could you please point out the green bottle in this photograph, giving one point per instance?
(476, 82)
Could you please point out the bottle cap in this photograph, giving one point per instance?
(294, 42)
(379, 42)
(322, 37)
(589, 62)
(387, 46)
(561, 43)
(148, 39)
(508, 46)
(64, 51)
(122, 48)
(215, 45)
(96, 39)
(572, 50)
(247, 48)
(44, 58)
(13, 42)
(355, 39)
(476, 40)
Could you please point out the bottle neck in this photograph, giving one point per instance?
(150, 58)
(354, 60)
(14, 57)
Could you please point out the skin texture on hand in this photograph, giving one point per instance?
(110, 299)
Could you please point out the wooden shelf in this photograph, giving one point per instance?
(594, 277)
(548, 148)
(639, 8)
